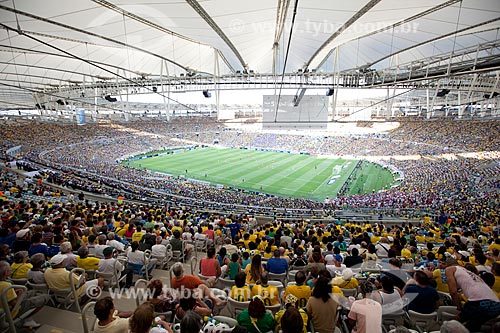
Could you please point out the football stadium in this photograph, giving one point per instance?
(216, 166)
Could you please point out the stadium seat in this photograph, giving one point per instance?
(12, 322)
(141, 297)
(87, 322)
(423, 322)
(236, 307)
(446, 312)
(225, 284)
(278, 277)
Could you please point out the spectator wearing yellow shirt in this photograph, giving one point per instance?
(240, 292)
(246, 240)
(346, 281)
(268, 293)
(375, 238)
(254, 270)
(121, 229)
(36, 302)
(420, 238)
(20, 267)
(137, 235)
(252, 237)
(430, 247)
(177, 226)
(86, 262)
(300, 290)
(268, 253)
(495, 245)
(284, 317)
(439, 274)
(262, 245)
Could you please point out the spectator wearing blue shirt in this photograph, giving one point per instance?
(37, 246)
(5, 253)
(54, 248)
(235, 229)
(431, 261)
(423, 298)
(7, 237)
(277, 265)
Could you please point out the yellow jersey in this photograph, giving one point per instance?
(240, 294)
(137, 236)
(302, 292)
(440, 278)
(88, 263)
(269, 294)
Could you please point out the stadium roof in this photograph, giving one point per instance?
(52, 43)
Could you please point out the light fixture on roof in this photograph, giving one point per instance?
(442, 93)
(110, 99)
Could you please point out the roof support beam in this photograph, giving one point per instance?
(33, 51)
(204, 15)
(153, 25)
(281, 13)
(346, 25)
(400, 23)
(432, 40)
(280, 19)
(66, 26)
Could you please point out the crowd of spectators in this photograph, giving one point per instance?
(40, 238)
(85, 158)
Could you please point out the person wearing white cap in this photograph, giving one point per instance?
(22, 241)
(346, 280)
(334, 266)
(57, 276)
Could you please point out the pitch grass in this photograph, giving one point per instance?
(291, 175)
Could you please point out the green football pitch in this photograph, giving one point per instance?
(282, 174)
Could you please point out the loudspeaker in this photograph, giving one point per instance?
(487, 96)
(207, 94)
(442, 93)
(110, 99)
(329, 92)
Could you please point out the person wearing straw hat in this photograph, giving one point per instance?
(291, 302)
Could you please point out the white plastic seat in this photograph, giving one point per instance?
(350, 292)
(7, 311)
(89, 307)
(446, 312)
(283, 277)
(140, 296)
(424, 322)
(225, 284)
(236, 307)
